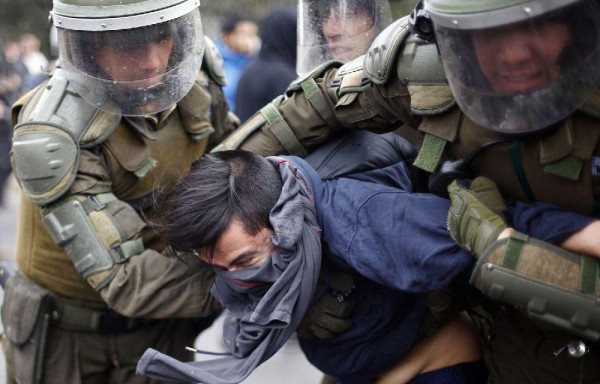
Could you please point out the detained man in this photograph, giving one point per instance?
(264, 224)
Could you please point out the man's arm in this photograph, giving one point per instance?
(520, 270)
(103, 236)
(586, 241)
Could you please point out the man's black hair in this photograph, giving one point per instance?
(220, 187)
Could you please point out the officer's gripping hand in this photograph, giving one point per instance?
(476, 215)
(332, 314)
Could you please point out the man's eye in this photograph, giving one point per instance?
(246, 262)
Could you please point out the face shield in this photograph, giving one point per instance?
(337, 30)
(131, 69)
(515, 71)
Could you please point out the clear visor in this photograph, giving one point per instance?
(134, 71)
(525, 76)
(337, 30)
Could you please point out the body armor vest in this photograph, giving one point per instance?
(556, 166)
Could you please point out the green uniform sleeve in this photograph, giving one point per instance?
(315, 109)
(106, 240)
(154, 285)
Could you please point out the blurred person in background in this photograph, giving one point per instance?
(238, 45)
(31, 54)
(38, 65)
(12, 73)
(275, 67)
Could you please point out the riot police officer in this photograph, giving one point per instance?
(337, 29)
(504, 89)
(136, 100)
(95, 147)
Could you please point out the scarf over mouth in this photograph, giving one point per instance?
(267, 303)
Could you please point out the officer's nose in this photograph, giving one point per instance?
(516, 47)
(332, 28)
(153, 57)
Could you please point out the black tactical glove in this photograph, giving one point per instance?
(476, 216)
(332, 313)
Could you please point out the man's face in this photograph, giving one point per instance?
(244, 38)
(521, 58)
(144, 62)
(347, 36)
(236, 249)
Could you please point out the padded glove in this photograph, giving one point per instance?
(332, 313)
(476, 216)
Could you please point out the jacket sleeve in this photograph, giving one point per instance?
(332, 99)
(400, 239)
(106, 239)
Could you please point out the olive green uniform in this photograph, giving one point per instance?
(401, 80)
(124, 167)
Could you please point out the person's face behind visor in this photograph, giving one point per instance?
(523, 76)
(522, 57)
(145, 63)
(142, 55)
(348, 35)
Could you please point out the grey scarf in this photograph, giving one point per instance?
(268, 302)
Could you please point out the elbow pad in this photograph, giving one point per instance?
(522, 272)
(88, 234)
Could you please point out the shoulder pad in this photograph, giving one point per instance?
(315, 73)
(59, 105)
(213, 62)
(45, 160)
(52, 125)
(420, 68)
(381, 55)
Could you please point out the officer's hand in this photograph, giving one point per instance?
(332, 314)
(476, 216)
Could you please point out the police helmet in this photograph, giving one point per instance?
(130, 57)
(519, 66)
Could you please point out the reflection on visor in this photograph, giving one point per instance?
(338, 30)
(133, 54)
(348, 20)
(520, 57)
(528, 75)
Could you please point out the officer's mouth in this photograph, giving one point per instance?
(520, 82)
(343, 53)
